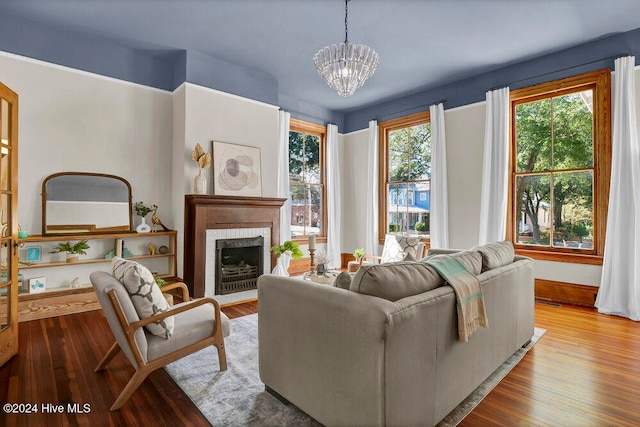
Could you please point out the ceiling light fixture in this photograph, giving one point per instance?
(346, 66)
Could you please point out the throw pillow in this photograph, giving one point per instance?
(495, 254)
(411, 246)
(145, 294)
(392, 251)
(343, 281)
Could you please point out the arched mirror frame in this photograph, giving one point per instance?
(80, 232)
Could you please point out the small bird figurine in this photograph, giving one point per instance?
(156, 221)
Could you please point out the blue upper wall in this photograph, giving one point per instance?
(168, 69)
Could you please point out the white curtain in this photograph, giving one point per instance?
(439, 208)
(371, 239)
(283, 175)
(620, 284)
(495, 169)
(333, 197)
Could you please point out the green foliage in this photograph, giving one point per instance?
(78, 248)
(555, 135)
(394, 228)
(304, 157)
(358, 253)
(289, 247)
(410, 153)
(141, 209)
(420, 226)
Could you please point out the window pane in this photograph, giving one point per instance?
(533, 136)
(398, 155)
(419, 209)
(573, 210)
(313, 214)
(420, 152)
(573, 131)
(533, 212)
(296, 156)
(396, 208)
(312, 159)
(297, 209)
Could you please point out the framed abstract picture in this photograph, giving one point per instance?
(37, 285)
(34, 253)
(236, 170)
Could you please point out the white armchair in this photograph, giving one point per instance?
(398, 247)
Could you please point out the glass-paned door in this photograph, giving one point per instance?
(9, 222)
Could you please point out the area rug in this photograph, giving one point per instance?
(237, 397)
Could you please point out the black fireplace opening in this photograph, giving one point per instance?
(239, 263)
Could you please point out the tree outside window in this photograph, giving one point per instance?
(405, 175)
(306, 178)
(560, 139)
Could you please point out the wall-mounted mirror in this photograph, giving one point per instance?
(78, 202)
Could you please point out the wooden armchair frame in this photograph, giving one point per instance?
(144, 369)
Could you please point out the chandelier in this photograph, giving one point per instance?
(346, 66)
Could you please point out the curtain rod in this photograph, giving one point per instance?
(298, 113)
(417, 107)
(620, 55)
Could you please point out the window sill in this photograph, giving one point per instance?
(304, 240)
(569, 257)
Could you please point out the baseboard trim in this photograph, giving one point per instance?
(569, 293)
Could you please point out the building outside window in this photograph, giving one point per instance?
(560, 165)
(306, 178)
(405, 175)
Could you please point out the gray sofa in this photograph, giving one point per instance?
(386, 351)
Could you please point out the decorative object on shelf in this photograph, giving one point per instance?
(284, 253)
(236, 170)
(358, 254)
(163, 250)
(37, 285)
(34, 254)
(322, 262)
(312, 251)
(156, 221)
(118, 246)
(23, 234)
(159, 280)
(346, 66)
(126, 253)
(204, 161)
(142, 211)
(152, 249)
(72, 251)
(76, 283)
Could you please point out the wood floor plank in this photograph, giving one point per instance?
(584, 371)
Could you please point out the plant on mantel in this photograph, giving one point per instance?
(72, 251)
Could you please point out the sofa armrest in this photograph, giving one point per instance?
(323, 348)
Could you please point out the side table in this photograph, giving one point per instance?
(324, 279)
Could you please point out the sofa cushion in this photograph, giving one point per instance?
(495, 254)
(343, 281)
(145, 294)
(396, 280)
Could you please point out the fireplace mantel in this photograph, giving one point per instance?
(202, 213)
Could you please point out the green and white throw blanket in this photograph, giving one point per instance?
(470, 302)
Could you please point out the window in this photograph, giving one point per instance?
(306, 178)
(404, 172)
(560, 166)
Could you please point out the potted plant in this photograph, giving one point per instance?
(73, 251)
(142, 211)
(284, 253)
(358, 254)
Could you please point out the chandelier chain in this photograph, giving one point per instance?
(346, 25)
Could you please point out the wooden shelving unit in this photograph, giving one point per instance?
(57, 301)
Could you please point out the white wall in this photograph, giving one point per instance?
(75, 121)
(353, 156)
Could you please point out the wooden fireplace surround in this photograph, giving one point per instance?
(202, 213)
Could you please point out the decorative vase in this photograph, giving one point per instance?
(200, 183)
(72, 258)
(282, 265)
(143, 227)
(322, 269)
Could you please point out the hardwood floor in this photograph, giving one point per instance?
(584, 371)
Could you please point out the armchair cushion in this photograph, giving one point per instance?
(145, 294)
(401, 248)
(190, 327)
